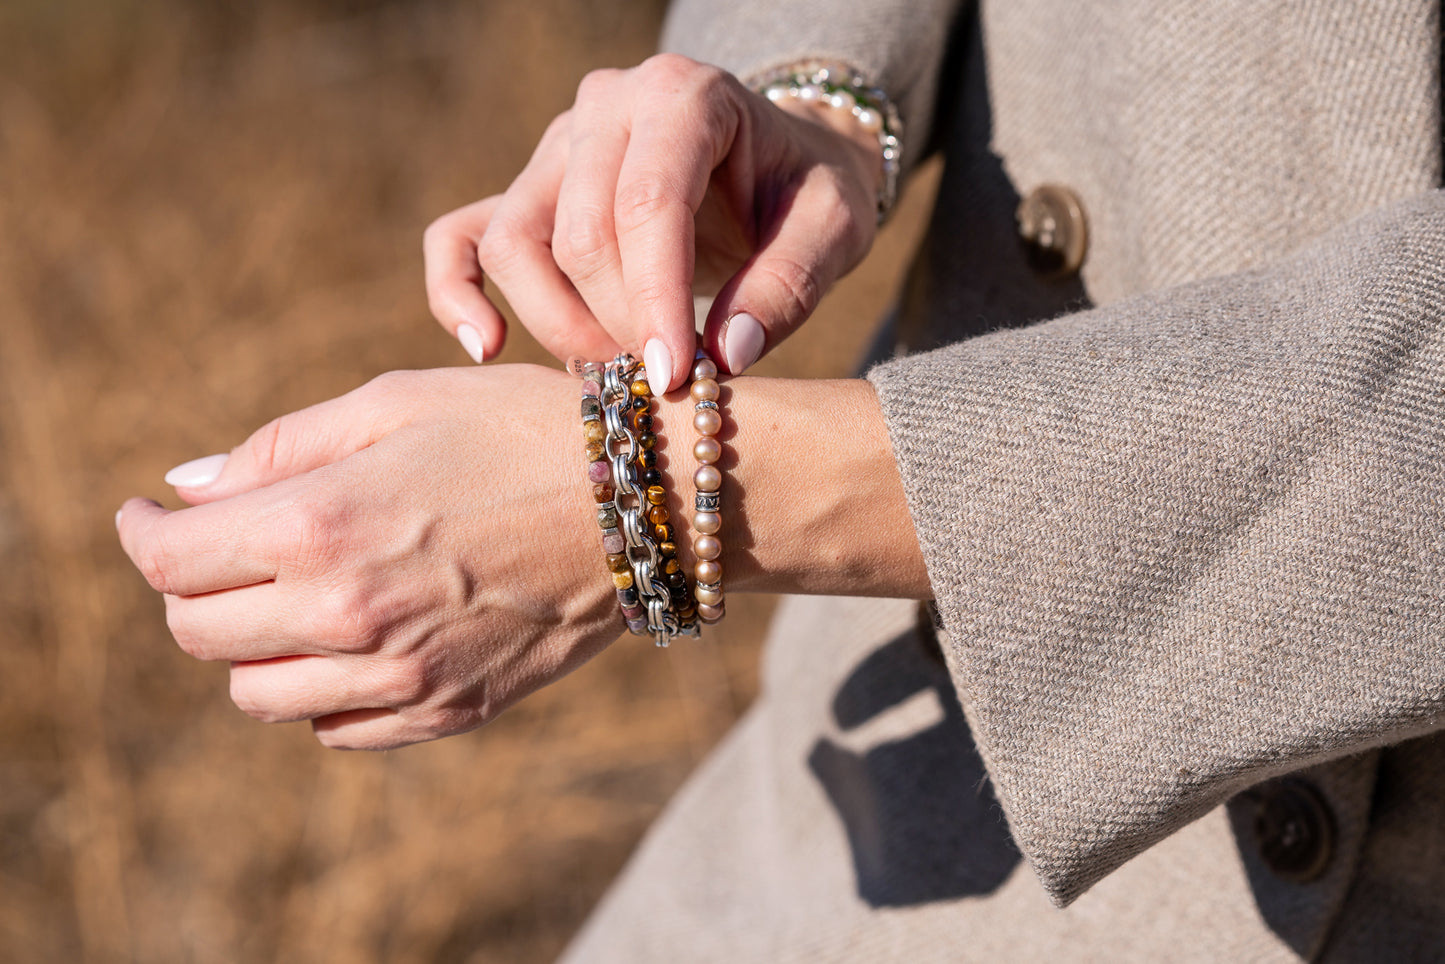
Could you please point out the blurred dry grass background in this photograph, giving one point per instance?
(210, 214)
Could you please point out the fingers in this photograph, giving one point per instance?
(516, 251)
(454, 281)
(198, 550)
(661, 184)
(373, 729)
(294, 444)
(818, 234)
(307, 687)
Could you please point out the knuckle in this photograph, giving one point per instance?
(346, 622)
(265, 448)
(597, 85)
(402, 683)
(582, 244)
(249, 701)
(795, 284)
(642, 200)
(501, 244)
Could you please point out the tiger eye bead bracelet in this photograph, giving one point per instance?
(637, 531)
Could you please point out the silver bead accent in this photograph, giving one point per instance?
(707, 501)
(706, 403)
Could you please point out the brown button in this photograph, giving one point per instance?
(1054, 230)
(1293, 829)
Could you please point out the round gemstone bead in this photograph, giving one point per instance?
(596, 451)
(607, 517)
(617, 562)
(643, 422)
(668, 548)
(707, 478)
(647, 440)
(676, 582)
(708, 571)
(687, 614)
(707, 422)
(594, 431)
(651, 477)
(708, 597)
(662, 532)
(647, 458)
(641, 403)
(603, 492)
(622, 580)
(657, 514)
(707, 450)
(707, 523)
(704, 368)
(656, 495)
(613, 543)
(707, 547)
(640, 388)
(671, 566)
(599, 472)
(704, 390)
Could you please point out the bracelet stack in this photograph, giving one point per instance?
(706, 520)
(637, 532)
(843, 88)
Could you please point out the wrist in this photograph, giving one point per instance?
(812, 502)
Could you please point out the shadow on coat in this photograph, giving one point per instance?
(920, 814)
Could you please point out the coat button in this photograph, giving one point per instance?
(1054, 230)
(1293, 829)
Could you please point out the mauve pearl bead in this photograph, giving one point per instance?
(704, 368)
(709, 614)
(704, 390)
(708, 571)
(707, 547)
(707, 422)
(707, 450)
(708, 597)
(599, 471)
(707, 478)
(707, 523)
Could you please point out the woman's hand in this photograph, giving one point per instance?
(397, 564)
(664, 180)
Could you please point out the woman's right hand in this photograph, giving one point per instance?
(663, 181)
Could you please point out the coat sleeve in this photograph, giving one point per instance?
(899, 45)
(1188, 542)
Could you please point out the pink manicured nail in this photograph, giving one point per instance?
(471, 340)
(742, 342)
(197, 472)
(659, 366)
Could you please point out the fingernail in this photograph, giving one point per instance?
(659, 366)
(197, 472)
(117, 517)
(471, 340)
(742, 342)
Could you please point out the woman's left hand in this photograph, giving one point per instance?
(395, 565)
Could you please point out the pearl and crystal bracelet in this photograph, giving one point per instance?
(843, 88)
(707, 481)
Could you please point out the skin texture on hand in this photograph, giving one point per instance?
(404, 562)
(664, 181)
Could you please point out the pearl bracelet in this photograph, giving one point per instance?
(706, 520)
(842, 88)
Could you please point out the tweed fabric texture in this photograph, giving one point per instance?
(1190, 541)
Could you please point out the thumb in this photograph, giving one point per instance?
(814, 241)
(284, 447)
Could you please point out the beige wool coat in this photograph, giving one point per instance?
(1183, 514)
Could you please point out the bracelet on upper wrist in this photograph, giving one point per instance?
(844, 89)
